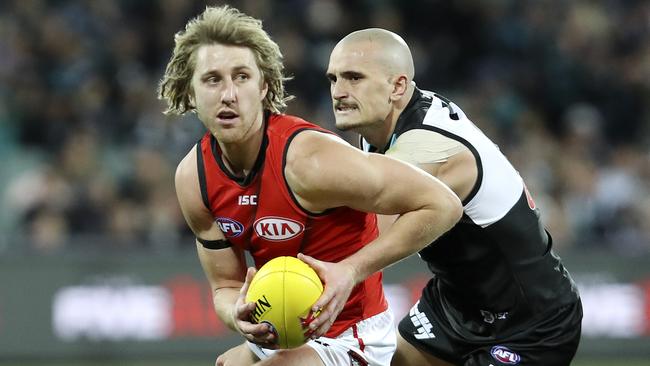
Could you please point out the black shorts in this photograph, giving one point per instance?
(553, 341)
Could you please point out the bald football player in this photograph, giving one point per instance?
(498, 292)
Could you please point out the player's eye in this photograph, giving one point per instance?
(353, 77)
(211, 79)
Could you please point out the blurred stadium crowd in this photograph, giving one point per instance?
(88, 157)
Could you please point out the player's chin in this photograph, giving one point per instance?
(345, 124)
(228, 136)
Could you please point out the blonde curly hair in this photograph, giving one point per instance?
(229, 26)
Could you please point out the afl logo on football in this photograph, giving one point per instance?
(505, 355)
(277, 228)
(229, 227)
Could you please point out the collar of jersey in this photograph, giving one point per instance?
(259, 161)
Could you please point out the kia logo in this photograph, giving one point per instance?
(278, 228)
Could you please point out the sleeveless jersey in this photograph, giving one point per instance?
(261, 215)
(495, 270)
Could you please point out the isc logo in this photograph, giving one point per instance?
(229, 227)
(505, 355)
(277, 228)
(247, 200)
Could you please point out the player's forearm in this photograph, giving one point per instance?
(410, 233)
(224, 302)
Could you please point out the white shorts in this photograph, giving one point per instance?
(371, 342)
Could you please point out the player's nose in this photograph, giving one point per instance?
(338, 90)
(229, 92)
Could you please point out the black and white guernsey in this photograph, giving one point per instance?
(495, 270)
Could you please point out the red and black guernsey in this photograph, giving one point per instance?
(259, 213)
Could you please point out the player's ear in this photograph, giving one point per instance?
(265, 89)
(400, 85)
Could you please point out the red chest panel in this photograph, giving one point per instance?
(260, 214)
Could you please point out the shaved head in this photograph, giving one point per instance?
(371, 81)
(385, 47)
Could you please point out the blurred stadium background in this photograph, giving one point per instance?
(96, 264)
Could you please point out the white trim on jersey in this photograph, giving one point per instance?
(365, 146)
(501, 185)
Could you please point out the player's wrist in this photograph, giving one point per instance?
(232, 319)
(353, 272)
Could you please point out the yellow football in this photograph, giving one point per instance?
(284, 290)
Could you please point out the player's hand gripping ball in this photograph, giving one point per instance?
(284, 290)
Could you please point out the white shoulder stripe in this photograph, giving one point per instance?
(500, 184)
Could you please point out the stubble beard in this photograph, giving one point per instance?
(350, 125)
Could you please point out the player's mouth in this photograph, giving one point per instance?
(227, 117)
(344, 108)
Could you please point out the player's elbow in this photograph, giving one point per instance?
(449, 209)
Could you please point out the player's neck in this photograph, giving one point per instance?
(391, 121)
(240, 157)
(379, 134)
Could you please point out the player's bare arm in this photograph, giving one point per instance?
(224, 268)
(325, 172)
(459, 172)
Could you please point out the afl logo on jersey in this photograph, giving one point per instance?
(229, 227)
(278, 228)
(505, 355)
